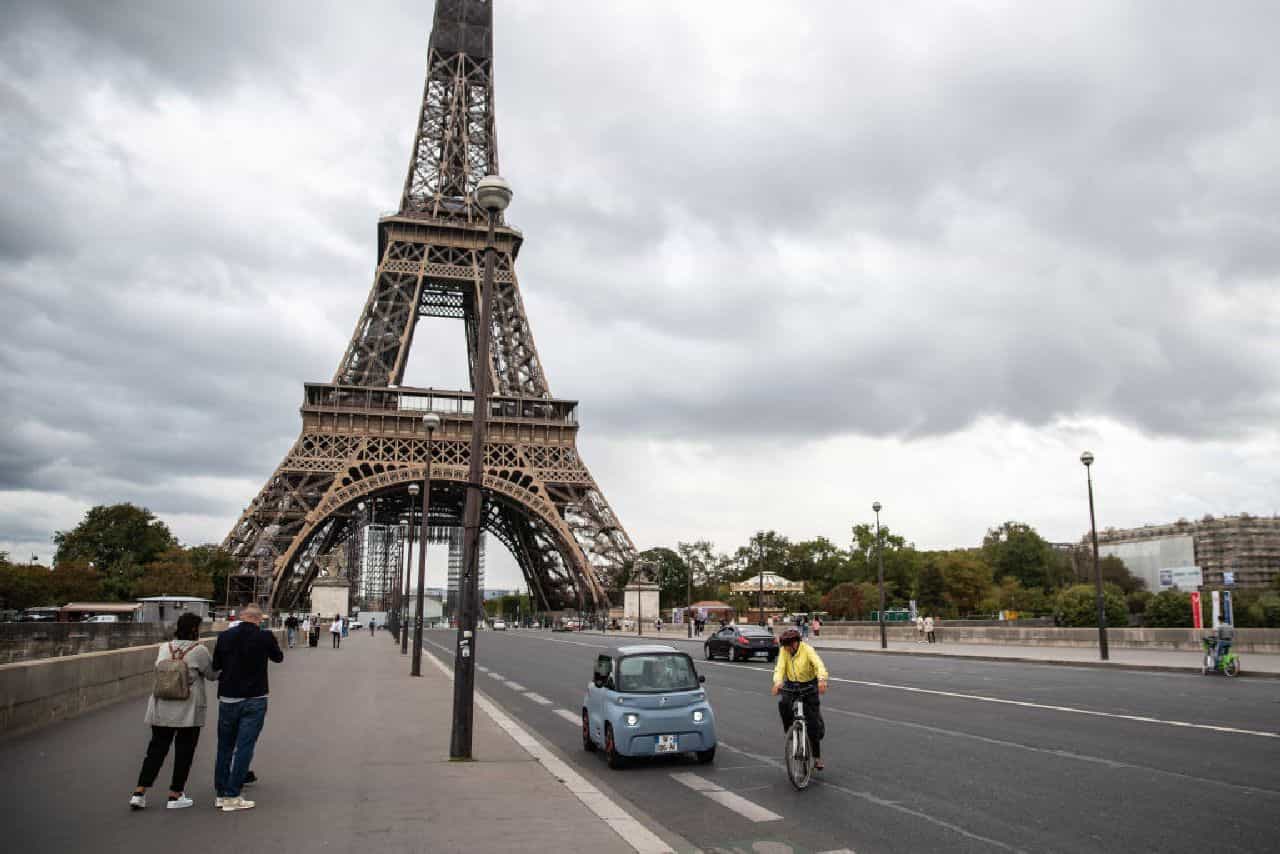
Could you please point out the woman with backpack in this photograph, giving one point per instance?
(176, 711)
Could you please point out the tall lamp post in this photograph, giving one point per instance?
(403, 579)
(493, 194)
(760, 595)
(884, 638)
(688, 597)
(431, 421)
(1087, 459)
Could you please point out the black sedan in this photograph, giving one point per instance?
(742, 642)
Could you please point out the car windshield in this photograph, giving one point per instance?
(656, 673)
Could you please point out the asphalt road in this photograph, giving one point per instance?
(927, 754)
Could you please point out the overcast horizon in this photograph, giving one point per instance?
(791, 260)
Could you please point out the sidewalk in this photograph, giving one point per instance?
(354, 757)
(1252, 664)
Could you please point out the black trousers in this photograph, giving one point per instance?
(812, 717)
(337, 639)
(184, 740)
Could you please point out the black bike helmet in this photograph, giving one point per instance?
(788, 636)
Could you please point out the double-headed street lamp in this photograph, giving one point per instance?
(431, 421)
(884, 639)
(493, 194)
(1087, 459)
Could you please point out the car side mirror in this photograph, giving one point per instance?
(701, 679)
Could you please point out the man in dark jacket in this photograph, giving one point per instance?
(241, 656)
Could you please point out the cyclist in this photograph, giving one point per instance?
(1221, 640)
(798, 667)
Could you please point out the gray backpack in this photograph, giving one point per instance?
(173, 678)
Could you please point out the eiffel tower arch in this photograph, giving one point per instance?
(363, 440)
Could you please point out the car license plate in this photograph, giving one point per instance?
(667, 744)
(763, 652)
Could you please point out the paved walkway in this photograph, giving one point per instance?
(1257, 664)
(354, 757)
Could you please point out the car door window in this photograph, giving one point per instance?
(603, 671)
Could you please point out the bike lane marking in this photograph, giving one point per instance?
(537, 698)
(569, 716)
(731, 800)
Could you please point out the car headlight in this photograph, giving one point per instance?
(698, 716)
(632, 719)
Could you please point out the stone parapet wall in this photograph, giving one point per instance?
(35, 693)
(1247, 640)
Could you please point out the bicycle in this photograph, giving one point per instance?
(1228, 662)
(798, 749)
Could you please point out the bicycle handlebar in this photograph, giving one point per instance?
(798, 689)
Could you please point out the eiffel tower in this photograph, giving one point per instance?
(363, 440)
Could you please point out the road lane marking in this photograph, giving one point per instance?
(482, 668)
(635, 834)
(1027, 704)
(569, 716)
(493, 675)
(537, 698)
(1060, 753)
(515, 686)
(731, 800)
(878, 801)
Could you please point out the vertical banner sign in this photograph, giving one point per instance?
(1227, 616)
(1196, 619)
(1217, 610)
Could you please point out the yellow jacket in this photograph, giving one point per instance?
(804, 666)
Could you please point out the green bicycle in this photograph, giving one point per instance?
(1228, 662)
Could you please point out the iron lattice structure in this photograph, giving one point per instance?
(362, 434)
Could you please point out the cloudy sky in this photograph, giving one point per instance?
(791, 257)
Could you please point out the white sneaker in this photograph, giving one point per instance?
(234, 804)
(218, 802)
(138, 802)
(179, 803)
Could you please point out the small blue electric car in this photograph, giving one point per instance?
(647, 701)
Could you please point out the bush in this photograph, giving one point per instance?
(1077, 606)
(1169, 609)
(1137, 601)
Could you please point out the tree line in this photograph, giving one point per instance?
(117, 553)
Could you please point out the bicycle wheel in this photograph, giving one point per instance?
(799, 758)
(1206, 664)
(1232, 667)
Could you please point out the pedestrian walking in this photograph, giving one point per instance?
(315, 630)
(241, 657)
(291, 629)
(919, 628)
(804, 628)
(928, 629)
(176, 712)
(373, 626)
(817, 626)
(335, 631)
(306, 630)
(346, 627)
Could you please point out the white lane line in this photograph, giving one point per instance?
(537, 698)
(482, 668)
(493, 675)
(839, 851)
(635, 834)
(515, 686)
(569, 716)
(1027, 704)
(735, 802)
(878, 801)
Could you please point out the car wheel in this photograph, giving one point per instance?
(706, 647)
(587, 744)
(611, 753)
(705, 757)
(773, 657)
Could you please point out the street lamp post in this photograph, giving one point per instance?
(1087, 459)
(431, 421)
(884, 638)
(760, 595)
(493, 194)
(688, 597)
(402, 578)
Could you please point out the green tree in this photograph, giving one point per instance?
(1015, 550)
(1169, 609)
(844, 601)
(968, 579)
(216, 564)
(118, 540)
(766, 551)
(173, 573)
(901, 562)
(1078, 606)
(671, 574)
(931, 585)
(1114, 572)
(26, 585)
(817, 563)
(76, 581)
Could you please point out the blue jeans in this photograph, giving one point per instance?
(238, 727)
(293, 636)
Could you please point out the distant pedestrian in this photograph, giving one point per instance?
(176, 711)
(928, 629)
(241, 656)
(306, 630)
(804, 628)
(920, 628)
(335, 631)
(291, 629)
(817, 626)
(373, 626)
